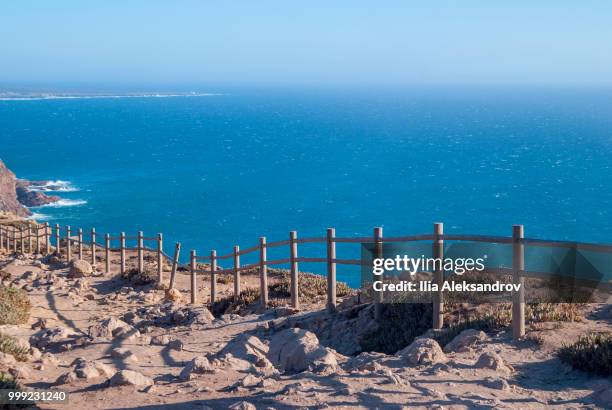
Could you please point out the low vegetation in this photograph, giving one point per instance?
(228, 305)
(311, 286)
(400, 324)
(148, 276)
(10, 346)
(591, 353)
(14, 306)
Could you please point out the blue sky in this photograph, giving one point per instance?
(306, 42)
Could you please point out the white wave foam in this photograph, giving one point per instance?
(64, 203)
(101, 96)
(54, 186)
(39, 217)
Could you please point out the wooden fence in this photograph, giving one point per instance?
(18, 240)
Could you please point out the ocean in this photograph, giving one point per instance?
(217, 170)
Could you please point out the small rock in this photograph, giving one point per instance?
(160, 340)
(49, 359)
(130, 378)
(250, 381)
(198, 365)
(66, 378)
(242, 405)
(176, 345)
(464, 340)
(173, 295)
(124, 354)
(498, 384)
(423, 352)
(79, 269)
(40, 324)
(493, 361)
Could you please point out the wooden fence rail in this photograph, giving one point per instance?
(38, 239)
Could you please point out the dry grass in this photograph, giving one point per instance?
(14, 306)
(310, 286)
(591, 353)
(9, 345)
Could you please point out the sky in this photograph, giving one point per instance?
(305, 42)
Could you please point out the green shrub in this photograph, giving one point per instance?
(310, 286)
(8, 382)
(9, 345)
(591, 353)
(228, 305)
(14, 306)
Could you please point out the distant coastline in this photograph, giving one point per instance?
(26, 96)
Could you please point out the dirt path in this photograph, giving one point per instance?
(533, 378)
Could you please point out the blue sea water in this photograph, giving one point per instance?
(220, 170)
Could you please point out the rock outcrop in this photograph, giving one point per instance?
(296, 350)
(16, 195)
(8, 193)
(33, 198)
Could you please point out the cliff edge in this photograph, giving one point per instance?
(8, 193)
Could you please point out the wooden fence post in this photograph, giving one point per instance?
(263, 271)
(107, 253)
(518, 266)
(39, 235)
(58, 248)
(177, 253)
(68, 244)
(236, 273)
(47, 238)
(122, 252)
(30, 237)
(378, 253)
(80, 236)
(160, 259)
(331, 270)
(22, 239)
(438, 254)
(295, 297)
(38, 239)
(213, 276)
(194, 288)
(93, 246)
(140, 252)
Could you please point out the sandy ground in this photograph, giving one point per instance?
(537, 379)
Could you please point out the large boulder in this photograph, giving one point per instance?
(464, 340)
(296, 350)
(130, 378)
(493, 361)
(113, 327)
(422, 352)
(245, 347)
(79, 268)
(199, 365)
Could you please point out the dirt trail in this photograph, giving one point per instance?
(534, 377)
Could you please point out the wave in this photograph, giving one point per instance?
(101, 96)
(39, 217)
(54, 186)
(64, 203)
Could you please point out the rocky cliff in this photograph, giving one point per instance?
(28, 197)
(8, 193)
